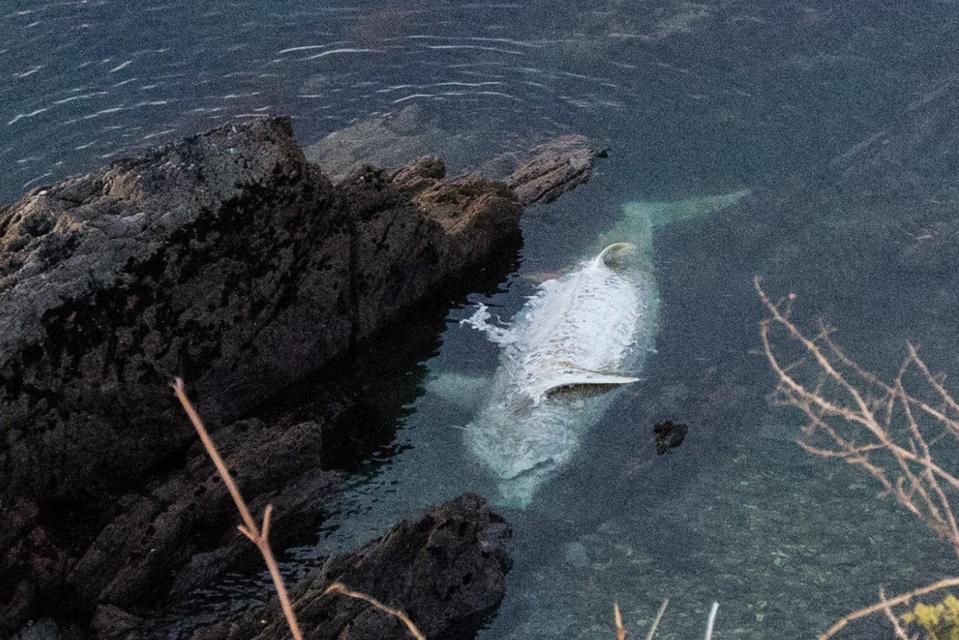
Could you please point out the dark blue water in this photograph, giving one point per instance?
(692, 99)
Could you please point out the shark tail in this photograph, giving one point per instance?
(642, 217)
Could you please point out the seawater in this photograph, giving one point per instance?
(691, 99)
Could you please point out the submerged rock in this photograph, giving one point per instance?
(390, 140)
(446, 570)
(41, 630)
(539, 174)
(669, 435)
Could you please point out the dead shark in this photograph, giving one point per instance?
(576, 341)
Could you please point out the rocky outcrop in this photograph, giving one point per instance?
(446, 570)
(230, 260)
(180, 533)
(554, 168)
(227, 259)
(540, 174)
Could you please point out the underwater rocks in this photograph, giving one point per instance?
(391, 140)
(446, 570)
(538, 172)
(227, 259)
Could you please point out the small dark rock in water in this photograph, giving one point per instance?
(446, 570)
(669, 435)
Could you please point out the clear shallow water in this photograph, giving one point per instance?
(691, 99)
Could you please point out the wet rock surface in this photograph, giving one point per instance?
(227, 259)
(180, 533)
(554, 168)
(446, 570)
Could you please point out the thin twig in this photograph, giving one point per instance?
(893, 620)
(618, 621)
(339, 587)
(659, 616)
(259, 536)
(897, 446)
(876, 608)
(897, 451)
(712, 621)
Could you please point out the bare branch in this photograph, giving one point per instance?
(711, 621)
(894, 431)
(248, 528)
(878, 426)
(893, 620)
(881, 606)
(659, 616)
(618, 621)
(338, 587)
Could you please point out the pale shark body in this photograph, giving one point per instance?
(577, 340)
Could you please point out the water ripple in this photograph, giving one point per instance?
(332, 52)
(475, 48)
(24, 116)
(122, 65)
(26, 74)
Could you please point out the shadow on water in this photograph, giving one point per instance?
(360, 400)
(378, 382)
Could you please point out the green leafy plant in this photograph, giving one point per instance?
(938, 621)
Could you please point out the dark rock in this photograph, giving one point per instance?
(405, 240)
(669, 435)
(554, 168)
(229, 260)
(41, 630)
(446, 570)
(183, 532)
(113, 623)
(420, 174)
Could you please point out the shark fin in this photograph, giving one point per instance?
(461, 390)
(576, 378)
